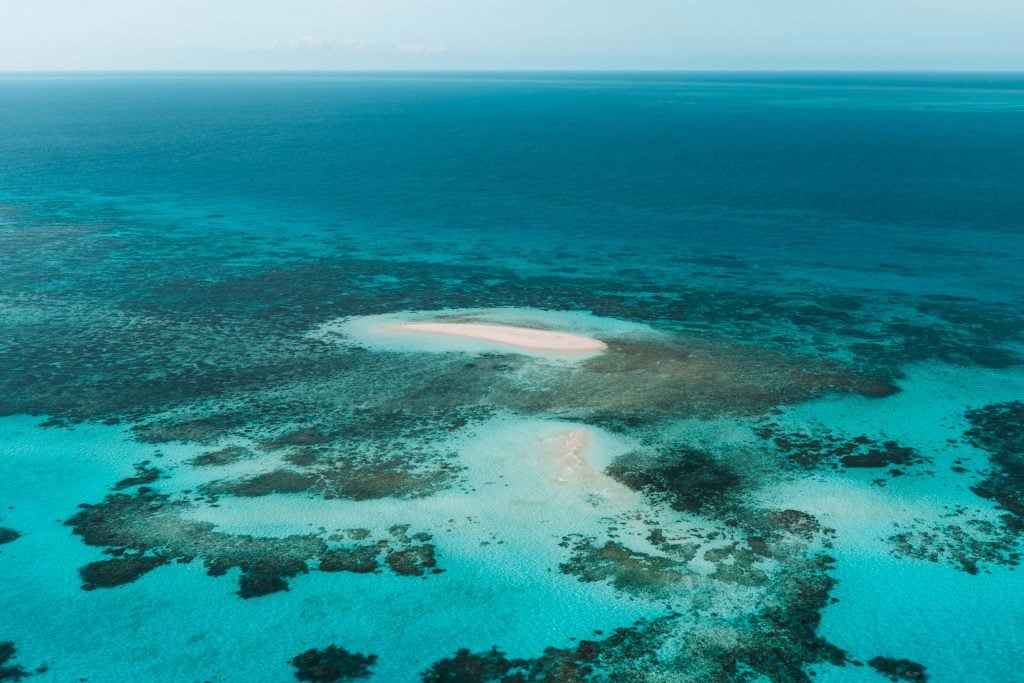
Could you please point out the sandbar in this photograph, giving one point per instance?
(567, 452)
(523, 337)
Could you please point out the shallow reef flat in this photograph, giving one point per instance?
(536, 523)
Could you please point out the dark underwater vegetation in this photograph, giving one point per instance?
(801, 455)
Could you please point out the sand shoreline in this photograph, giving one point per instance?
(523, 337)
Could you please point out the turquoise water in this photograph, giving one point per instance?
(799, 457)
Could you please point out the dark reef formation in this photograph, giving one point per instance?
(393, 477)
(898, 669)
(8, 535)
(557, 665)
(684, 376)
(759, 551)
(626, 569)
(332, 664)
(968, 546)
(774, 643)
(145, 530)
(971, 543)
(687, 478)
(9, 671)
(144, 474)
(221, 457)
(818, 448)
(999, 429)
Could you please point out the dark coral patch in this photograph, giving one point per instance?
(971, 543)
(8, 535)
(149, 522)
(967, 546)
(736, 562)
(631, 655)
(413, 561)
(627, 569)
(787, 628)
(819, 448)
(762, 549)
(119, 571)
(332, 664)
(8, 670)
(899, 669)
(207, 429)
(221, 456)
(795, 522)
(999, 429)
(471, 667)
(686, 376)
(256, 582)
(628, 654)
(366, 480)
(367, 454)
(144, 474)
(305, 436)
(687, 478)
(276, 481)
(359, 559)
(146, 530)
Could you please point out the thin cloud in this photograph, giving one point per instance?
(425, 49)
(316, 45)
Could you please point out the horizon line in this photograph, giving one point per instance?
(517, 71)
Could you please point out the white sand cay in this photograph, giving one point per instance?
(523, 337)
(556, 336)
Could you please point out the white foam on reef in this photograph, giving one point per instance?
(535, 332)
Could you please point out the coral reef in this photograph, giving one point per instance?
(687, 478)
(999, 429)
(814, 448)
(898, 669)
(10, 671)
(332, 664)
(146, 530)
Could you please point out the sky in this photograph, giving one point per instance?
(56, 35)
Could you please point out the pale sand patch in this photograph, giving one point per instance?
(523, 337)
(567, 451)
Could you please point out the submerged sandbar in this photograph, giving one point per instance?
(523, 337)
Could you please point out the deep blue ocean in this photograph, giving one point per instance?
(800, 456)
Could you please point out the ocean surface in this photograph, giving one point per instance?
(800, 457)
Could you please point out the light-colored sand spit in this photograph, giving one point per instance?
(568, 453)
(523, 337)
